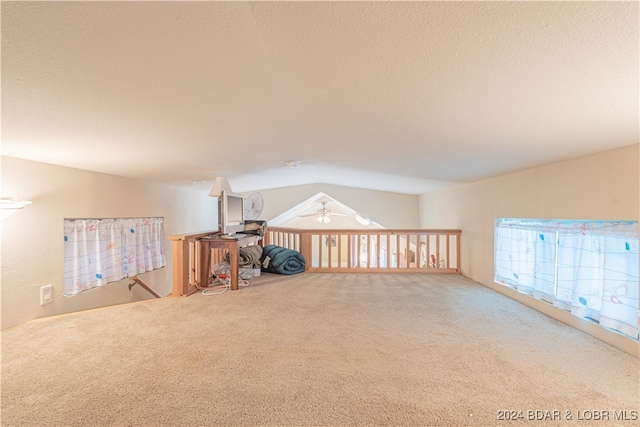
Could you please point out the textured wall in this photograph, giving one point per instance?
(32, 239)
(601, 186)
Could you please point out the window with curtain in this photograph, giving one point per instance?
(100, 251)
(589, 268)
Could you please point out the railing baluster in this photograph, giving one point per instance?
(187, 261)
(367, 245)
(388, 264)
(437, 251)
(448, 264)
(339, 244)
(398, 264)
(191, 254)
(408, 251)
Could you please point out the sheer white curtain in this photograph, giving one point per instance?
(525, 258)
(598, 273)
(589, 268)
(100, 251)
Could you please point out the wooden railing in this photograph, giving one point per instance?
(364, 251)
(144, 285)
(192, 261)
(347, 251)
(185, 263)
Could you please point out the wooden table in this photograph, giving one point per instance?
(230, 243)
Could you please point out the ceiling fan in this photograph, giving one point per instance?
(323, 215)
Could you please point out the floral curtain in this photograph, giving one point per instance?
(589, 268)
(100, 251)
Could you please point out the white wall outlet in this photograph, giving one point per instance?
(46, 294)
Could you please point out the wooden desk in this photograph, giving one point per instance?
(229, 243)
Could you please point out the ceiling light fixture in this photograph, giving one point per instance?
(323, 218)
(292, 163)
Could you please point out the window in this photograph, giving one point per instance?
(100, 251)
(589, 268)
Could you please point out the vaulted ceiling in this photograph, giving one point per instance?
(323, 211)
(396, 96)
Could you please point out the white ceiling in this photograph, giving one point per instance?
(397, 96)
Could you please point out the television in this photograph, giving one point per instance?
(230, 213)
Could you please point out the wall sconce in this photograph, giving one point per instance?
(9, 207)
(220, 184)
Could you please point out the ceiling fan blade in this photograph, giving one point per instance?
(325, 214)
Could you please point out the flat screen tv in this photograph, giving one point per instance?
(230, 213)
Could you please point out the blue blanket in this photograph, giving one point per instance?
(282, 260)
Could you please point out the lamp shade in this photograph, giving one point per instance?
(220, 184)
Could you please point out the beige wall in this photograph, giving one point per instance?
(390, 210)
(32, 239)
(601, 186)
(32, 248)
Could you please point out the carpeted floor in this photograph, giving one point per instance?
(316, 350)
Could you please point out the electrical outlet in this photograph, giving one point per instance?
(46, 294)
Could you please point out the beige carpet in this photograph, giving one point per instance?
(314, 349)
